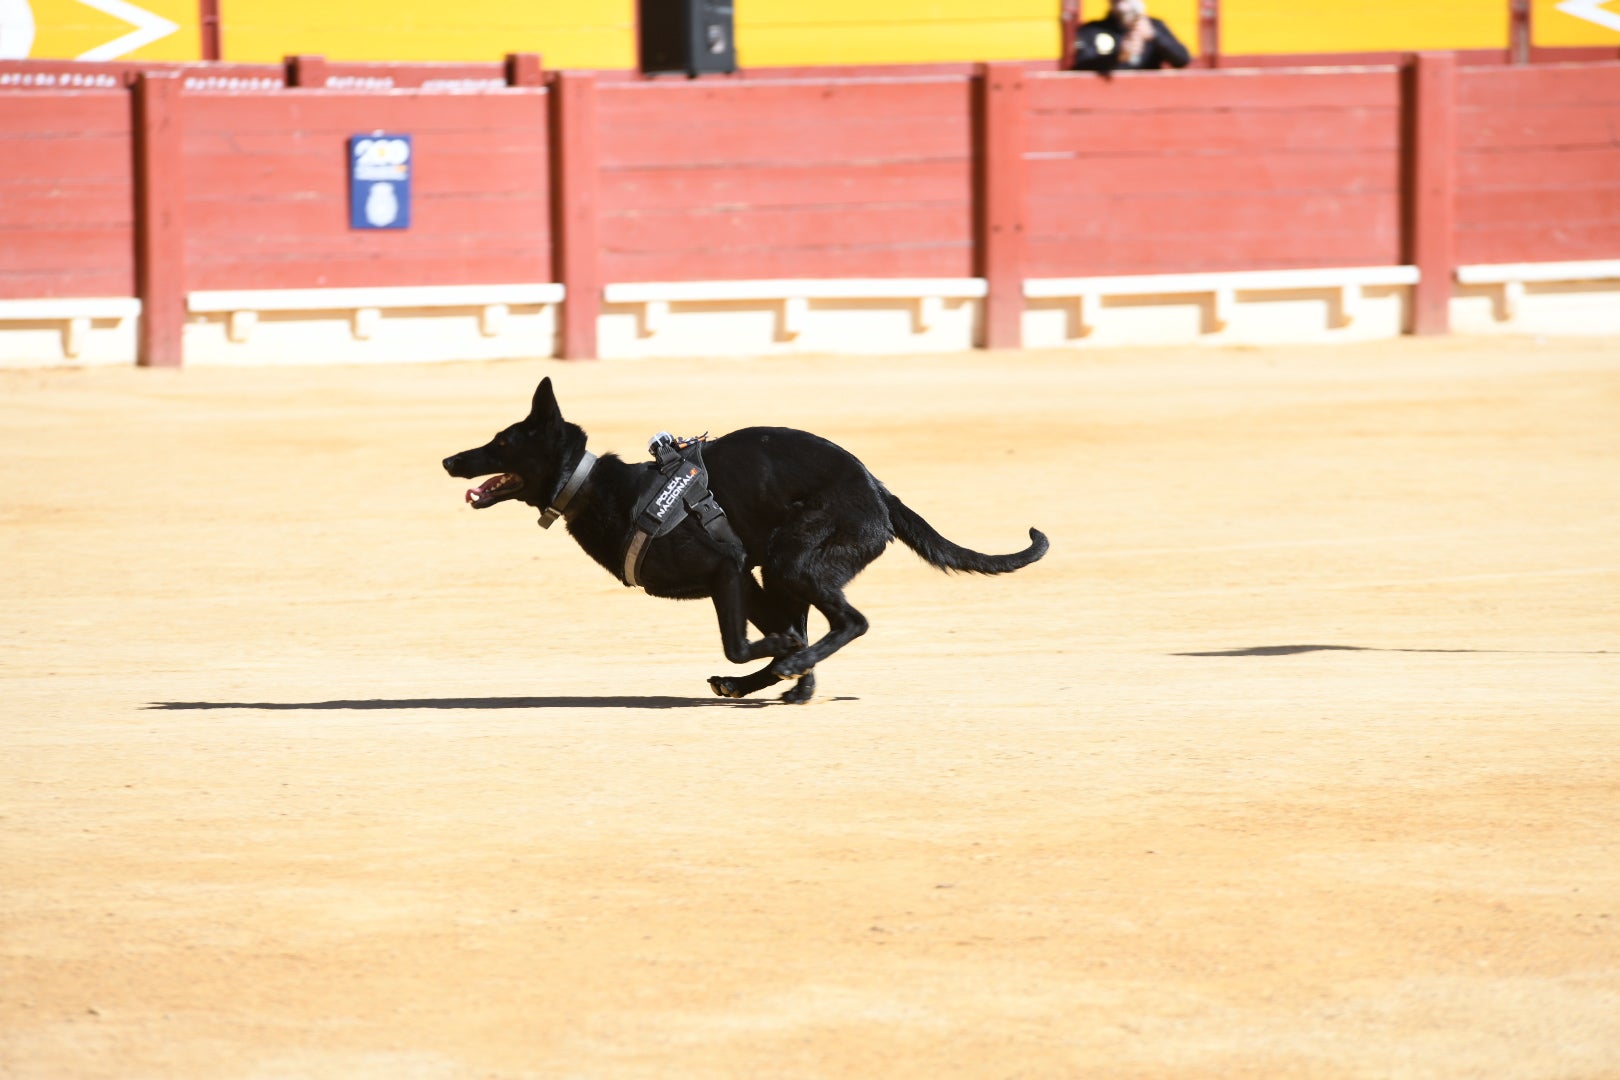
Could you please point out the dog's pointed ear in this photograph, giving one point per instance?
(545, 410)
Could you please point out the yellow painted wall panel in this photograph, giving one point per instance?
(71, 29)
(580, 34)
(1588, 23)
(1003, 39)
(778, 33)
(1325, 26)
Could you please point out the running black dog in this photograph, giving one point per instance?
(802, 509)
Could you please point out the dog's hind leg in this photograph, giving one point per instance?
(812, 565)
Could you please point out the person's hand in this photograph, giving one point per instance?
(1136, 39)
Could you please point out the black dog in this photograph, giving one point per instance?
(803, 510)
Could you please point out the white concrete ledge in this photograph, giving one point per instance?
(75, 314)
(1221, 287)
(1500, 273)
(794, 296)
(1514, 276)
(243, 306)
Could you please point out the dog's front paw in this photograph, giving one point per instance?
(724, 687)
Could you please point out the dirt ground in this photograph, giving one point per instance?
(1299, 755)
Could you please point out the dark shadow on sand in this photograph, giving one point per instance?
(579, 702)
(1293, 650)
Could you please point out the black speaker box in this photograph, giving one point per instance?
(690, 36)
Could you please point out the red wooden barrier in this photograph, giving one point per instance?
(786, 179)
(1538, 164)
(67, 204)
(1008, 174)
(1208, 170)
(267, 201)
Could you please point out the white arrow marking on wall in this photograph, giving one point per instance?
(1592, 11)
(16, 29)
(148, 28)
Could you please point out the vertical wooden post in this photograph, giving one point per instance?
(1431, 182)
(1519, 32)
(208, 25)
(308, 71)
(1068, 24)
(1209, 33)
(999, 192)
(160, 242)
(574, 182)
(524, 69)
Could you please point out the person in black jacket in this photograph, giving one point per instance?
(1128, 38)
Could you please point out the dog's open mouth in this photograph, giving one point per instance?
(495, 490)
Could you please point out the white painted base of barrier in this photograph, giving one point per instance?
(370, 335)
(77, 331)
(269, 328)
(772, 328)
(1551, 309)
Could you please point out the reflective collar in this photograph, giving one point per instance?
(559, 505)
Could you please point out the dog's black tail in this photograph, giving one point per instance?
(922, 538)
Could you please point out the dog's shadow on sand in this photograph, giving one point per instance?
(1295, 650)
(570, 702)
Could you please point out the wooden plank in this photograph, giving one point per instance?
(1212, 91)
(29, 284)
(1075, 180)
(1051, 257)
(1512, 87)
(361, 269)
(102, 206)
(1562, 207)
(1535, 172)
(1536, 126)
(943, 259)
(877, 139)
(106, 157)
(1532, 241)
(785, 227)
(1177, 217)
(810, 184)
(322, 221)
(67, 115)
(1099, 134)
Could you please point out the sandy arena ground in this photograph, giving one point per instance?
(1299, 755)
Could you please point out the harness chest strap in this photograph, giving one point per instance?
(680, 484)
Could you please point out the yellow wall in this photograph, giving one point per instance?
(1549, 26)
(777, 33)
(576, 34)
(772, 33)
(1322, 26)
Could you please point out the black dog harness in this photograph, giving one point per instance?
(677, 483)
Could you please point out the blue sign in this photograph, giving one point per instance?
(379, 181)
